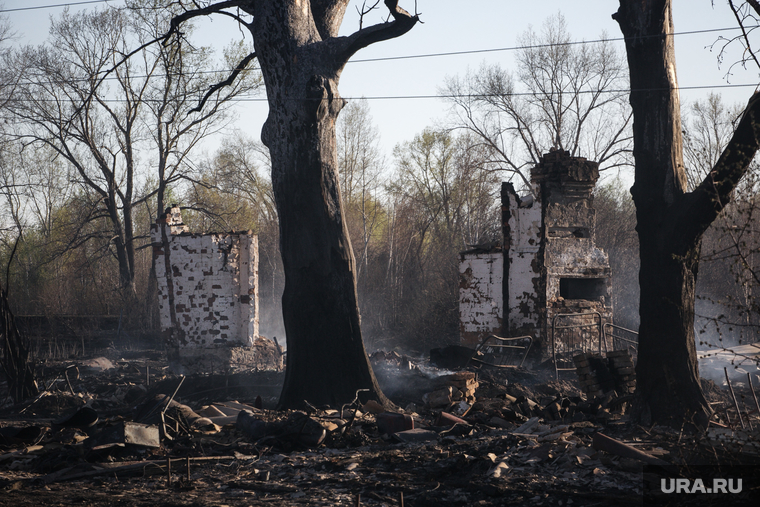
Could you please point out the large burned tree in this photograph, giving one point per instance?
(301, 58)
(670, 220)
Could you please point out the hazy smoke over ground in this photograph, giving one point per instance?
(721, 340)
(271, 325)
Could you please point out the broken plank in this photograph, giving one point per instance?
(604, 443)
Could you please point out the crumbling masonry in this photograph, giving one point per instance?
(208, 298)
(548, 264)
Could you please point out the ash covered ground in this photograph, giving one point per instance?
(473, 436)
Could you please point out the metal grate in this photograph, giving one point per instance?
(573, 334)
(621, 338)
(502, 352)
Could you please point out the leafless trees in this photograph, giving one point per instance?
(113, 121)
(728, 289)
(360, 166)
(443, 200)
(93, 144)
(563, 95)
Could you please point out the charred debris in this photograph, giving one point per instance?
(122, 426)
(532, 407)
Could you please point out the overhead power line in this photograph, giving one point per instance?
(431, 55)
(242, 98)
(51, 6)
(539, 46)
(451, 53)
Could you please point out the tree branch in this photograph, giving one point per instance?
(204, 11)
(714, 193)
(401, 24)
(328, 15)
(745, 35)
(227, 82)
(755, 5)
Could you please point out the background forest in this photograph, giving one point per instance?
(88, 164)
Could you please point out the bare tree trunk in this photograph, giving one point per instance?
(301, 60)
(15, 362)
(670, 222)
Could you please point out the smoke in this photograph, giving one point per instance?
(271, 324)
(723, 342)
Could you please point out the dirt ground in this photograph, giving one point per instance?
(524, 439)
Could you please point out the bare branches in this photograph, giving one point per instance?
(401, 24)
(559, 97)
(747, 15)
(227, 82)
(364, 11)
(741, 19)
(212, 8)
(712, 195)
(755, 5)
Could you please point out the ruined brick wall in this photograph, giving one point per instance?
(209, 297)
(577, 272)
(552, 263)
(481, 307)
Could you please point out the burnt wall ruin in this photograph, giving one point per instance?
(551, 265)
(208, 298)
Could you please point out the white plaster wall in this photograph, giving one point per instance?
(480, 295)
(526, 226)
(214, 286)
(522, 295)
(524, 274)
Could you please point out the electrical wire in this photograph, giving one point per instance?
(456, 53)
(51, 6)
(620, 91)
(449, 53)
(426, 55)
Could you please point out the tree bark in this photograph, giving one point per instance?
(670, 222)
(301, 59)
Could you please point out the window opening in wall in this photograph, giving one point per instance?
(569, 232)
(583, 288)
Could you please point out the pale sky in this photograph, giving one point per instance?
(455, 26)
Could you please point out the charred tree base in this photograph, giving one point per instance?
(668, 410)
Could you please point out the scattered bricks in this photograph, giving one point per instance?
(622, 368)
(621, 359)
(463, 385)
(580, 361)
(597, 375)
(439, 398)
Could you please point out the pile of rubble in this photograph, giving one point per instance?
(484, 437)
(599, 375)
